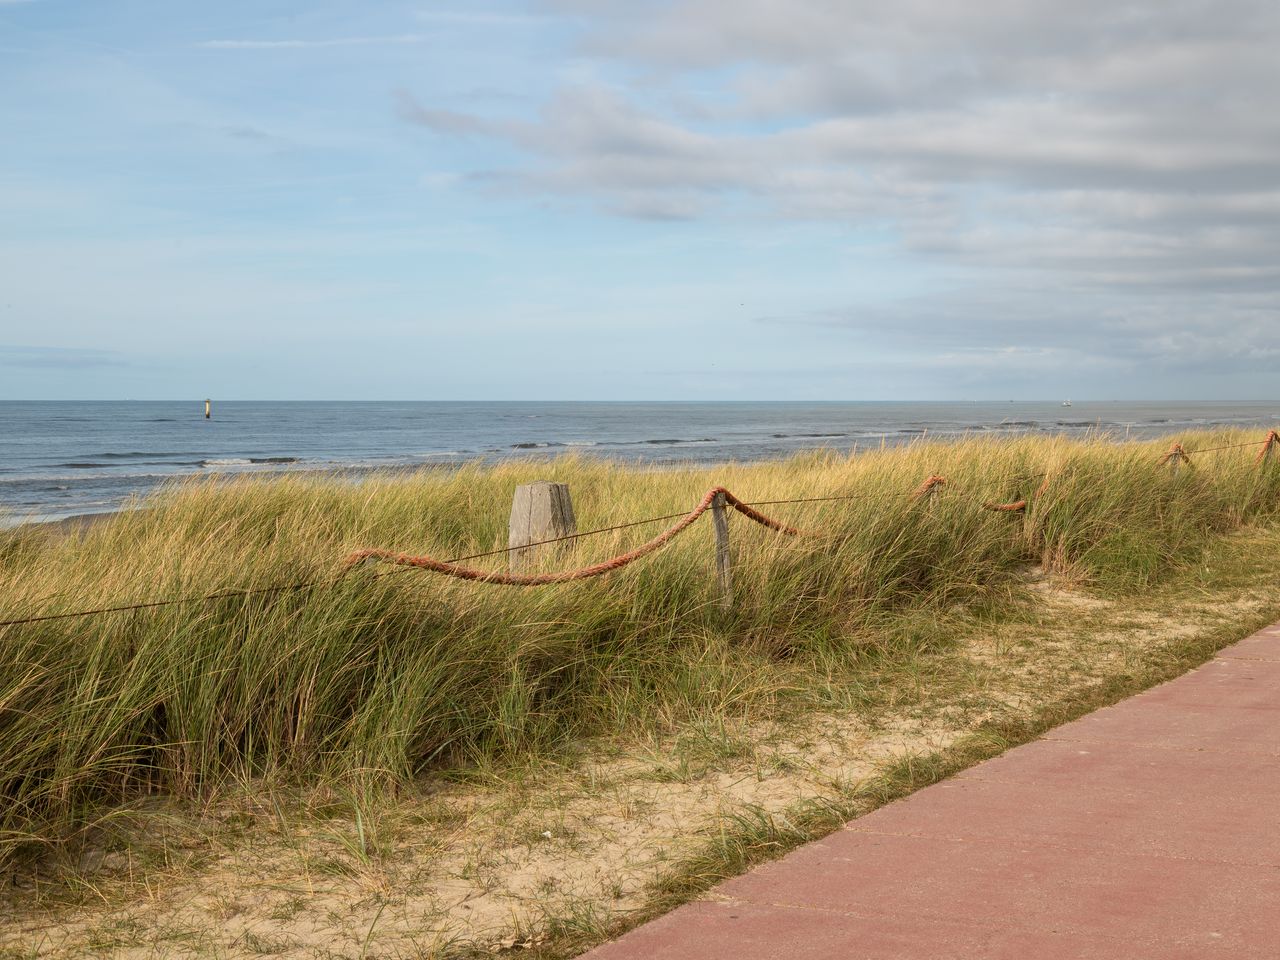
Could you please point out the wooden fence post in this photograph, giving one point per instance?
(724, 566)
(539, 511)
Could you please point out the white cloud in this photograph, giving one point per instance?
(1093, 177)
(944, 120)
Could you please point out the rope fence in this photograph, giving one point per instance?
(717, 500)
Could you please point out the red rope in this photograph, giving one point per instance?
(1267, 446)
(930, 484)
(757, 516)
(582, 573)
(1014, 507)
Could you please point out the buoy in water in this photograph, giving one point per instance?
(208, 409)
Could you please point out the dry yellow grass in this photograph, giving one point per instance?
(367, 691)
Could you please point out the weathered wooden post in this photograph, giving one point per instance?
(539, 511)
(724, 566)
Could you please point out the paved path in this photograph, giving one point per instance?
(1150, 829)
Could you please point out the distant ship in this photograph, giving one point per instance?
(1066, 403)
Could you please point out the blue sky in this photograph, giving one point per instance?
(630, 200)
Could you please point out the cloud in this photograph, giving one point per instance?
(293, 44)
(1093, 179)
(877, 106)
(1012, 322)
(59, 358)
(441, 121)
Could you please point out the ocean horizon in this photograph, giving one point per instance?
(65, 458)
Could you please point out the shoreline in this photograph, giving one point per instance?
(77, 523)
(74, 522)
(84, 519)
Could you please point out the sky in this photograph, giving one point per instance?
(633, 199)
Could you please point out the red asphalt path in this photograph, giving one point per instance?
(1150, 829)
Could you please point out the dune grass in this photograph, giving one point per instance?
(370, 680)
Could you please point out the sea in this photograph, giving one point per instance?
(61, 459)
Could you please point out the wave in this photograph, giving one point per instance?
(246, 461)
(85, 464)
(82, 480)
(655, 441)
(670, 441)
(134, 454)
(544, 444)
(809, 436)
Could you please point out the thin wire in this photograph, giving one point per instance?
(570, 536)
(283, 588)
(1230, 446)
(1020, 478)
(850, 496)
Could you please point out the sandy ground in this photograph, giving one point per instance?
(495, 866)
(75, 525)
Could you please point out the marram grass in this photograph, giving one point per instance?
(373, 680)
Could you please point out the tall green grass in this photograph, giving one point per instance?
(374, 679)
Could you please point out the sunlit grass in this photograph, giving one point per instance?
(368, 681)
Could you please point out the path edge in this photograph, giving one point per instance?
(765, 838)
